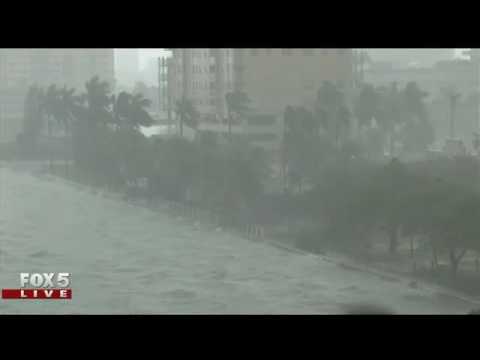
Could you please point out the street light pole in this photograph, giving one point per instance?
(453, 97)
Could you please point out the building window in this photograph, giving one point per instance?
(287, 52)
(308, 52)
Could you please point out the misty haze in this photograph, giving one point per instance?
(242, 181)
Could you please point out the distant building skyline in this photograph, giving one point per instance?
(408, 57)
(22, 68)
(146, 56)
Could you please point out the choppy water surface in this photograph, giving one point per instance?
(125, 259)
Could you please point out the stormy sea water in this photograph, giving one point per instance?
(126, 259)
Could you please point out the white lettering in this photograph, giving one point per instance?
(24, 278)
(36, 280)
(48, 279)
(63, 279)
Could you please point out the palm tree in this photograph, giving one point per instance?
(418, 132)
(367, 105)
(130, 110)
(51, 105)
(139, 114)
(121, 108)
(187, 113)
(67, 105)
(391, 112)
(34, 116)
(92, 113)
(342, 123)
(98, 101)
(237, 104)
(331, 108)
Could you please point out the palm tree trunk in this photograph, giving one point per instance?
(50, 160)
(230, 126)
(435, 257)
(181, 125)
(67, 160)
(393, 236)
(455, 261)
(391, 144)
(336, 135)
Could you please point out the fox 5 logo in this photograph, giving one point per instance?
(45, 280)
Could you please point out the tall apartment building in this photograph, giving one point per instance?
(272, 78)
(204, 76)
(21, 68)
(276, 78)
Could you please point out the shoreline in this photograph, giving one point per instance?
(340, 259)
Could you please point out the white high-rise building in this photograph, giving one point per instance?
(204, 76)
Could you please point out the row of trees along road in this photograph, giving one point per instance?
(421, 203)
(110, 150)
(351, 196)
(312, 136)
(354, 196)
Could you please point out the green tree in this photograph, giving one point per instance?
(98, 101)
(367, 105)
(332, 111)
(303, 148)
(187, 114)
(131, 110)
(93, 115)
(34, 118)
(237, 105)
(418, 133)
(391, 113)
